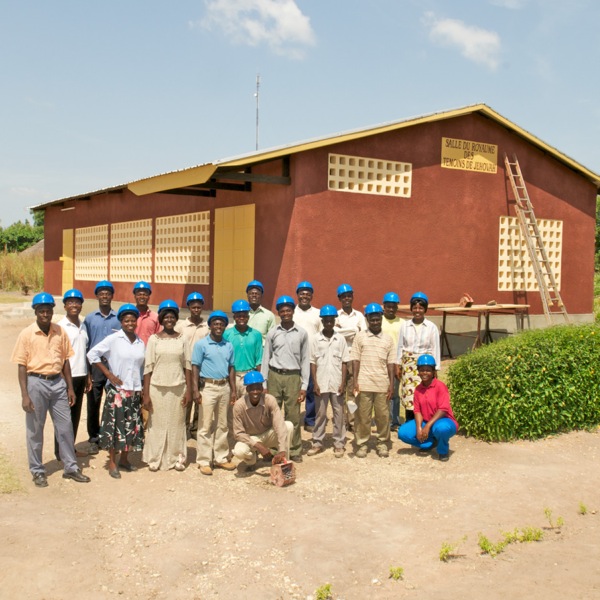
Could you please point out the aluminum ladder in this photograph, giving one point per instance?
(551, 299)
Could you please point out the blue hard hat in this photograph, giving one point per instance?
(304, 285)
(43, 298)
(194, 296)
(253, 377)
(283, 300)
(328, 311)
(391, 297)
(168, 305)
(344, 288)
(142, 285)
(73, 294)
(419, 296)
(426, 360)
(240, 306)
(218, 314)
(104, 285)
(255, 284)
(127, 309)
(373, 308)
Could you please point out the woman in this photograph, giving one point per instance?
(167, 392)
(417, 336)
(120, 357)
(434, 420)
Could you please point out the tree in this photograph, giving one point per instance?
(19, 236)
(38, 217)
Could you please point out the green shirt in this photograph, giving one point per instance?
(247, 348)
(262, 320)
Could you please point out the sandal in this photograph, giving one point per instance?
(127, 467)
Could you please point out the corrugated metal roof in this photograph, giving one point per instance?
(200, 174)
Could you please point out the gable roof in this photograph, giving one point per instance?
(201, 174)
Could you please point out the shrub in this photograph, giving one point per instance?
(529, 385)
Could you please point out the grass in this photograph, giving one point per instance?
(9, 481)
(597, 297)
(20, 272)
(323, 592)
(582, 509)
(396, 573)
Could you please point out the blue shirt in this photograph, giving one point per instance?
(213, 358)
(247, 347)
(99, 327)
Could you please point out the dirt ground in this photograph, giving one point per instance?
(345, 522)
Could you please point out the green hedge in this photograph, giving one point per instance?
(529, 385)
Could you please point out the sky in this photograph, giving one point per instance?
(98, 94)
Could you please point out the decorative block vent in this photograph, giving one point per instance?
(515, 272)
(131, 251)
(182, 252)
(369, 176)
(91, 253)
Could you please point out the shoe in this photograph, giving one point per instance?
(383, 452)
(394, 427)
(80, 453)
(339, 452)
(361, 452)
(94, 448)
(127, 467)
(179, 466)
(153, 469)
(77, 476)
(297, 459)
(309, 428)
(444, 457)
(114, 473)
(228, 466)
(40, 480)
(205, 470)
(314, 450)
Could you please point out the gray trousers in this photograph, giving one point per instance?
(339, 428)
(49, 396)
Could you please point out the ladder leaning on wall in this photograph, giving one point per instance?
(551, 300)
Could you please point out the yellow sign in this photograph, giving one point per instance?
(467, 155)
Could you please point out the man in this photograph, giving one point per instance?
(390, 324)
(147, 323)
(247, 353)
(41, 353)
(373, 356)
(349, 323)
(307, 316)
(328, 364)
(286, 367)
(258, 424)
(80, 376)
(260, 318)
(194, 328)
(212, 360)
(98, 325)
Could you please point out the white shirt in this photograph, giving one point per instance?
(309, 320)
(79, 340)
(125, 359)
(419, 339)
(328, 354)
(350, 324)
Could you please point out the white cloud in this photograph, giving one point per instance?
(279, 24)
(479, 45)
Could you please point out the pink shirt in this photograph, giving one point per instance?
(430, 399)
(147, 325)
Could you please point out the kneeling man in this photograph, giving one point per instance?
(258, 423)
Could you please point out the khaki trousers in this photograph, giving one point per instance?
(212, 425)
(286, 388)
(247, 454)
(367, 401)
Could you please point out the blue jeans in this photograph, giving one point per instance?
(442, 430)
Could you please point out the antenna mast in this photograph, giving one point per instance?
(257, 105)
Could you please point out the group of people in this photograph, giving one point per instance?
(237, 388)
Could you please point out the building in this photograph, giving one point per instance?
(420, 204)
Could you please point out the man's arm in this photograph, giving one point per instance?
(26, 402)
(66, 371)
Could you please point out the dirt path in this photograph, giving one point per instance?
(345, 522)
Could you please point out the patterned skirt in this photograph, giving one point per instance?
(410, 379)
(121, 426)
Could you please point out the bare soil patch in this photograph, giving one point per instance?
(345, 522)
